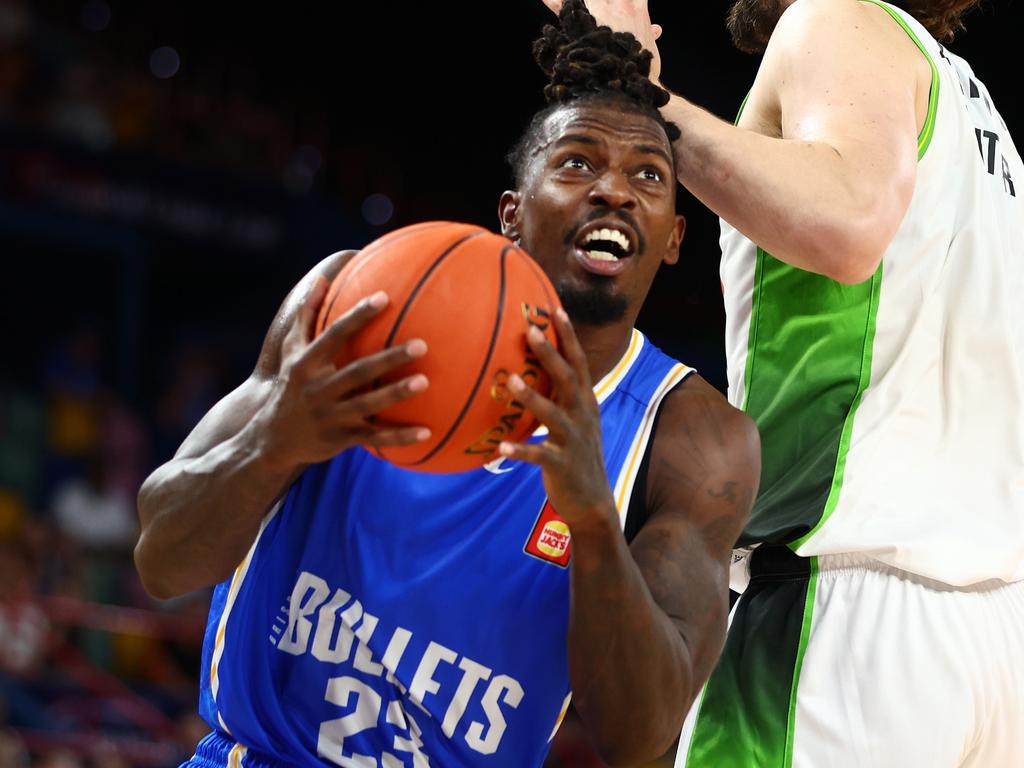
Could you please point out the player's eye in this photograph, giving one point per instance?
(576, 163)
(650, 174)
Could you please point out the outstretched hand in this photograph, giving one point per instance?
(318, 410)
(571, 458)
(625, 16)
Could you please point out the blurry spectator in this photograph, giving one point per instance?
(59, 758)
(133, 113)
(24, 638)
(22, 436)
(191, 729)
(194, 376)
(124, 445)
(12, 513)
(72, 379)
(57, 559)
(78, 112)
(106, 755)
(24, 628)
(94, 513)
(13, 753)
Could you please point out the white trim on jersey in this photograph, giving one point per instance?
(236, 585)
(631, 467)
(611, 380)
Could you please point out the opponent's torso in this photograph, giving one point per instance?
(892, 412)
(389, 618)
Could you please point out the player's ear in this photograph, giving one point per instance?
(675, 239)
(508, 214)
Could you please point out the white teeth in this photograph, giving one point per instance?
(601, 256)
(611, 235)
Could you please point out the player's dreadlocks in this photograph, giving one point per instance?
(586, 62)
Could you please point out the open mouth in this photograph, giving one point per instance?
(602, 247)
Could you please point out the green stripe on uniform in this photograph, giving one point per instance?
(808, 362)
(805, 633)
(746, 713)
(809, 354)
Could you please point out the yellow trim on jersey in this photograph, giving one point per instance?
(611, 380)
(236, 585)
(236, 755)
(561, 716)
(627, 477)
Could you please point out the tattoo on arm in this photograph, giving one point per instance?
(727, 492)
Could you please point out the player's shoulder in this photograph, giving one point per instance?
(327, 269)
(701, 439)
(828, 22)
(803, 12)
(697, 417)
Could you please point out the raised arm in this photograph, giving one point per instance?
(646, 621)
(201, 511)
(822, 170)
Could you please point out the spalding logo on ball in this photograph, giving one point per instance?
(470, 295)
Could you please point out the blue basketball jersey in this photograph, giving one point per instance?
(385, 618)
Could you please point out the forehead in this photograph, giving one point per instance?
(603, 123)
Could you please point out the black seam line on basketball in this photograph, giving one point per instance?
(483, 367)
(366, 251)
(408, 302)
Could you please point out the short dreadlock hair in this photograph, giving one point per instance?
(588, 63)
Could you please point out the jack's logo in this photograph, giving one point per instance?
(550, 539)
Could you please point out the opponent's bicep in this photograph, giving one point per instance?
(845, 78)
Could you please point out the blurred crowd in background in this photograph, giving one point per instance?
(124, 184)
(93, 672)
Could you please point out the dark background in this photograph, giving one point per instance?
(150, 225)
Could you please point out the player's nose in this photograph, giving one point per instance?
(612, 190)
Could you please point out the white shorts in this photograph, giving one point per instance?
(843, 662)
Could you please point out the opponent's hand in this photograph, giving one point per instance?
(625, 16)
(317, 410)
(571, 458)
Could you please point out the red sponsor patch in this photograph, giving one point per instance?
(550, 540)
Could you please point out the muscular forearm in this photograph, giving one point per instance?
(630, 669)
(799, 200)
(200, 515)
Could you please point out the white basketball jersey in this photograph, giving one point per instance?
(892, 412)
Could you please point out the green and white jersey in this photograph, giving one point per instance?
(892, 412)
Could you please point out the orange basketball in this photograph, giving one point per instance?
(470, 295)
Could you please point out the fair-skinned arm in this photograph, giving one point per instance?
(828, 192)
(201, 511)
(646, 620)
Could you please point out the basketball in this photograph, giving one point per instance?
(470, 295)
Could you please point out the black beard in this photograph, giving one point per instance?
(751, 23)
(593, 304)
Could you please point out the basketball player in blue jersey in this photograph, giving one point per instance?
(369, 616)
